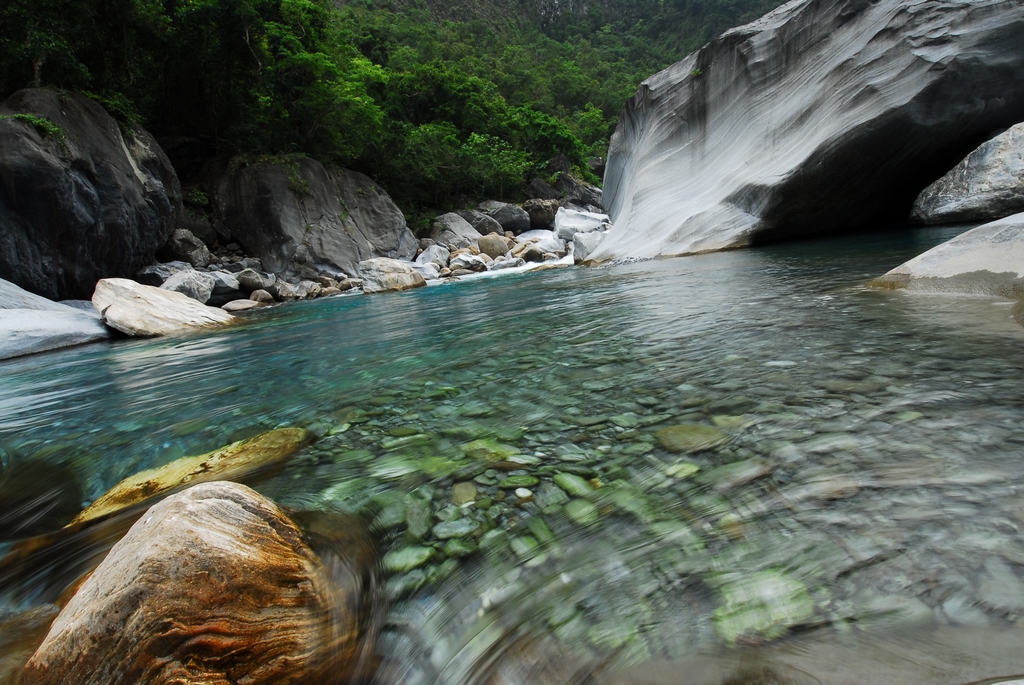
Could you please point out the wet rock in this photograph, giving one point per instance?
(986, 260)
(463, 493)
(38, 497)
(226, 463)
(690, 438)
(582, 512)
(468, 262)
(144, 311)
(383, 275)
(238, 578)
(197, 285)
(542, 211)
(511, 217)
(488, 450)
(763, 604)
(452, 232)
(436, 255)
(241, 305)
(184, 246)
(734, 475)
(573, 484)
(251, 279)
(480, 221)
(406, 559)
(987, 184)
(156, 274)
(20, 635)
(828, 152)
(500, 264)
(459, 528)
(493, 245)
(1001, 589)
(89, 204)
(283, 291)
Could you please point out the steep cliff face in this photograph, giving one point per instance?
(820, 116)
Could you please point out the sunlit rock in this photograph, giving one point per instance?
(987, 184)
(144, 311)
(212, 585)
(226, 463)
(197, 285)
(763, 604)
(691, 438)
(818, 117)
(453, 232)
(436, 255)
(569, 222)
(986, 260)
(383, 274)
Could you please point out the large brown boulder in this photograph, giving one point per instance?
(213, 585)
(81, 200)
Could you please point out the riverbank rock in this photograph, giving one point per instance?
(584, 244)
(452, 232)
(30, 323)
(987, 260)
(144, 311)
(818, 117)
(198, 285)
(480, 221)
(987, 184)
(82, 202)
(569, 222)
(493, 245)
(300, 218)
(542, 212)
(184, 246)
(436, 255)
(212, 585)
(227, 463)
(157, 274)
(382, 275)
(511, 217)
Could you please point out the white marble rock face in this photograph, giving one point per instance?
(817, 117)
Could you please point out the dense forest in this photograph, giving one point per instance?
(440, 103)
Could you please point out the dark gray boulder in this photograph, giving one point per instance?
(81, 204)
(452, 232)
(156, 274)
(480, 221)
(511, 217)
(823, 115)
(987, 184)
(301, 218)
(539, 189)
(186, 247)
(576, 190)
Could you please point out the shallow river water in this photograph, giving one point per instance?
(851, 510)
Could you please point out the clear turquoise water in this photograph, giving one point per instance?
(886, 430)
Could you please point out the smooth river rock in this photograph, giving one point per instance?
(30, 323)
(213, 585)
(452, 232)
(987, 260)
(383, 274)
(88, 204)
(144, 311)
(822, 116)
(987, 184)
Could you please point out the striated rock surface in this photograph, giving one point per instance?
(301, 218)
(987, 184)
(452, 232)
(144, 311)
(197, 285)
(84, 205)
(987, 260)
(30, 324)
(383, 274)
(820, 116)
(212, 585)
(226, 463)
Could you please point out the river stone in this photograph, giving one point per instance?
(428, 270)
(459, 528)
(763, 604)
(463, 493)
(986, 260)
(241, 305)
(690, 438)
(96, 203)
(511, 217)
(144, 311)
(987, 184)
(569, 222)
(212, 585)
(198, 285)
(488, 450)
(1001, 589)
(458, 547)
(226, 463)
(730, 476)
(778, 129)
(30, 323)
(573, 484)
(584, 244)
(542, 212)
(383, 275)
(436, 255)
(493, 245)
(452, 232)
(480, 221)
(469, 262)
(184, 246)
(261, 296)
(156, 274)
(251, 279)
(582, 512)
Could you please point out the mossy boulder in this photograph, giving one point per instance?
(690, 438)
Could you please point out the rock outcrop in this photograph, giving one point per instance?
(987, 260)
(81, 201)
(511, 217)
(987, 184)
(452, 232)
(30, 324)
(302, 219)
(823, 115)
(212, 585)
(144, 311)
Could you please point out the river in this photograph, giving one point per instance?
(854, 515)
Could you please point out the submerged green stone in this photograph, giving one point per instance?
(763, 604)
(691, 438)
(518, 482)
(573, 484)
(582, 512)
(489, 450)
(406, 558)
